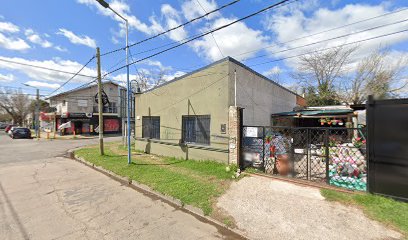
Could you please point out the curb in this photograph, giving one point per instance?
(176, 203)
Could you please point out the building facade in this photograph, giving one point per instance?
(188, 117)
(79, 106)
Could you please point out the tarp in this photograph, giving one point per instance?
(323, 112)
(65, 125)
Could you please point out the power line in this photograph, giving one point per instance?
(174, 28)
(215, 41)
(333, 38)
(27, 94)
(14, 87)
(202, 35)
(296, 39)
(324, 49)
(76, 74)
(45, 68)
(187, 38)
(327, 30)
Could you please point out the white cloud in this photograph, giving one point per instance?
(76, 39)
(123, 9)
(37, 39)
(8, 27)
(172, 18)
(61, 49)
(294, 24)
(156, 64)
(48, 75)
(177, 74)
(13, 43)
(6, 78)
(43, 84)
(273, 71)
(191, 9)
(235, 39)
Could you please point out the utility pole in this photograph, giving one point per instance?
(100, 103)
(37, 113)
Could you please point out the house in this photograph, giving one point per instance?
(194, 117)
(79, 106)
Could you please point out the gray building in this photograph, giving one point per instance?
(189, 117)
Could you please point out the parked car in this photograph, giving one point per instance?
(20, 132)
(11, 130)
(3, 125)
(7, 129)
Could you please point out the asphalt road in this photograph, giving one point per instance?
(46, 196)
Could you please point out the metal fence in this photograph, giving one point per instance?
(336, 156)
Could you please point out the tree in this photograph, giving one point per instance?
(320, 73)
(378, 75)
(146, 80)
(15, 104)
(4, 117)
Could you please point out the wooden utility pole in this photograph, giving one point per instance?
(100, 103)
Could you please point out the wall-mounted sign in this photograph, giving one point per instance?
(223, 128)
(105, 99)
(251, 132)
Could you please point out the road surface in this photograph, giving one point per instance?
(46, 196)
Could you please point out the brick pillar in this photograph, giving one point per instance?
(234, 132)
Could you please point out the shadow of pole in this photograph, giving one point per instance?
(14, 213)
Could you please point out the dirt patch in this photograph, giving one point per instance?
(272, 209)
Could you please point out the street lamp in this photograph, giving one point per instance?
(106, 5)
(37, 110)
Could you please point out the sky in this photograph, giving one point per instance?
(63, 35)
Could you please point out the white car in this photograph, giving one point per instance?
(11, 130)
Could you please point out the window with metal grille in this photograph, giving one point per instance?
(151, 127)
(196, 129)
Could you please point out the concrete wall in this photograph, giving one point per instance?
(201, 93)
(85, 95)
(259, 96)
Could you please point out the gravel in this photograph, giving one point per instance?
(273, 209)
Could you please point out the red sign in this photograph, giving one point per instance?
(111, 125)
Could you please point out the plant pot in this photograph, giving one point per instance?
(283, 164)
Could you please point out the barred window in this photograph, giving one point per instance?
(151, 127)
(196, 129)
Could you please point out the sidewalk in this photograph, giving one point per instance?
(273, 209)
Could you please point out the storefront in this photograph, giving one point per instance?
(86, 123)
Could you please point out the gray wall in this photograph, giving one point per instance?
(259, 96)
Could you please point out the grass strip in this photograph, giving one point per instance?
(379, 208)
(197, 183)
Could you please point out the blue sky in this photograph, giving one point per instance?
(63, 35)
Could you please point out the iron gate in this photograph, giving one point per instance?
(336, 156)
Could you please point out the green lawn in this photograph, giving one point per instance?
(197, 183)
(379, 208)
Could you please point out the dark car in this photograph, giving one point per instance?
(20, 133)
(3, 125)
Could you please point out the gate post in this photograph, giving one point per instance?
(234, 132)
